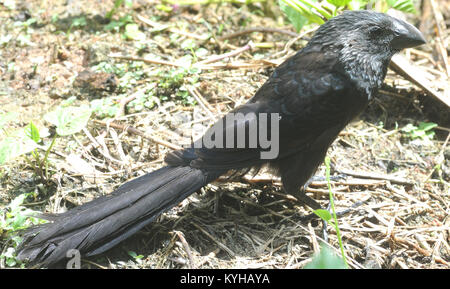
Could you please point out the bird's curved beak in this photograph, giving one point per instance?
(406, 35)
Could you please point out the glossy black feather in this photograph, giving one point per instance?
(315, 94)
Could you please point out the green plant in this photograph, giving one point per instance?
(117, 24)
(174, 80)
(117, 4)
(24, 37)
(14, 143)
(68, 120)
(26, 25)
(423, 131)
(136, 257)
(128, 73)
(192, 2)
(118, 69)
(144, 99)
(331, 218)
(104, 107)
(326, 259)
(303, 12)
(15, 217)
(128, 27)
(33, 133)
(77, 23)
(131, 30)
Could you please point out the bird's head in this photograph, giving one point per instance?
(368, 32)
(364, 42)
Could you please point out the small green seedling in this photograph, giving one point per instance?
(424, 131)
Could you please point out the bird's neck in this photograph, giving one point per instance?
(366, 71)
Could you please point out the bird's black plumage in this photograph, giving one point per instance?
(315, 93)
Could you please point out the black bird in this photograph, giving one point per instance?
(315, 93)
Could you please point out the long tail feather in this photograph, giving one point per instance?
(104, 222)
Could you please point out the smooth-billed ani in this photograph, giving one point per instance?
(315, 94)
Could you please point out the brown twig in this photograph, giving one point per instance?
(416, 247)
(277, 181)
(202, 101)
(100, 145)
(186, 248)
(231, 65)
(146, 60)
(134, 130)
(238, 65)
(222, 246)
(292, 41)
(258, 29)
(235, 52)
(160, 27)
(125, 101)
(375, 176)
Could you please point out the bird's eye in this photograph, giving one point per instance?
(375, 32)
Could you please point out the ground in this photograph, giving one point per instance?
(145, 104)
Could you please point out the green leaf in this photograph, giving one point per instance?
(188, 44)
(17, 202)
(11, 262)
(201, 52)
(402, 5)
(19, 222)
(10, 258)
(117, 3)
(339, 3)
(311, 9)
(304, 9)
(113, 25)
(424, 131)
(430, 134)
(118, 24)
(323, 214)
(16, 145)
(104, 107)
(164, 8)
(129, 3)
(427, 125)
(33, 132)
(111, 12)
(297, 20)
(68, 120)
(134, 255)
(132, 32)
(409, 128)
(326, 259)
(418, 133)
(78, 22)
